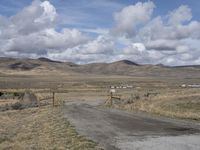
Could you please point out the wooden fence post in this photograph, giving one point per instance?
(53, 98)
(111, 101)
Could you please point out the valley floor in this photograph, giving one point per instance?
(48, 128)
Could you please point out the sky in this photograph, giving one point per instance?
(87, 31)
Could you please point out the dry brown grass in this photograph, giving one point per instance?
(3, 102)
(40, 129)
(181, 103)
(168, 102)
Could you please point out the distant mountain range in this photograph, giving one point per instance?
(123, 67)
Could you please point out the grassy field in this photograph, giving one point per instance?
(170, 100)
(177, 103)
(40, 129)
(45, 127)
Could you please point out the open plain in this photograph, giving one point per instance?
(157, 109)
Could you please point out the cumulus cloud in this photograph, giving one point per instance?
(180, 15)
(162, 45)
(98, 46)
(130, 17)
(96, 50)
(158, 29)
(36, 17)
(135, 48)
(32, 32)
(171, 39)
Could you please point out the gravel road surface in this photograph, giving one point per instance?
(119, 130)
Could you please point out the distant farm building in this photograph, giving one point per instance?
(121, 87)
(190, 85)
(194, 85)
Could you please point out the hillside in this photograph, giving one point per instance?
(123, 67)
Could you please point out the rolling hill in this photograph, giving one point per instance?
(123, 67)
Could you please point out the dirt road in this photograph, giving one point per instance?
(119, 130)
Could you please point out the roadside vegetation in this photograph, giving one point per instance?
(177, 103)
(42, 128)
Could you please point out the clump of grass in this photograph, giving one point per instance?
(189, 106)
(17, 106)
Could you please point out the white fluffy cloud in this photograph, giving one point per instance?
(101, 45)
(34, 18)
(135, 48)
(32, 32)
(172, 39)
(180, 15)
(130, 17)
(97, 50)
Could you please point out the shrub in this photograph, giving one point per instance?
(17, 106)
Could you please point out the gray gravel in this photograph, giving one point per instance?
(115, 129)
